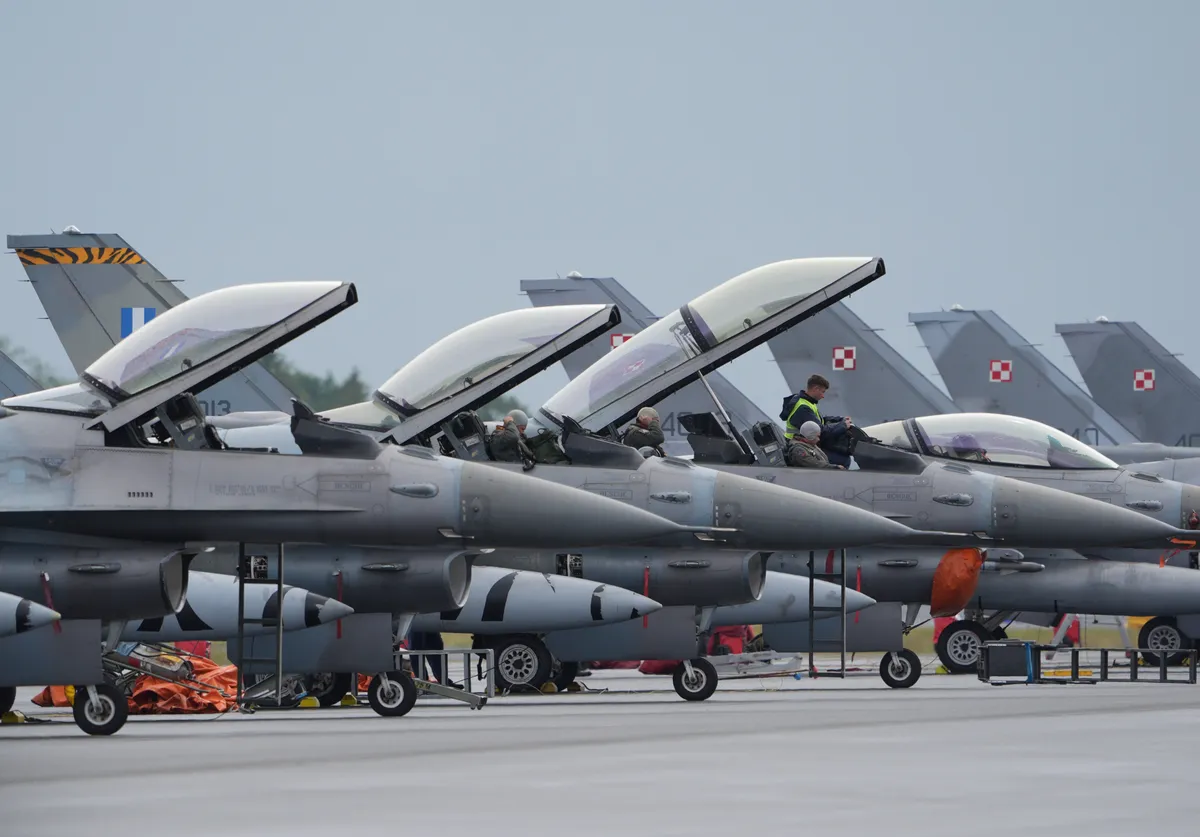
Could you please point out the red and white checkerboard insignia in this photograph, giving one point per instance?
(844, 357)
(1143, 379)
(615, 340)
(1001, 371)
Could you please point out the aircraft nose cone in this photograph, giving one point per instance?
(828, 594)
(26, 615)
(30, 615)
(502, 508)
(1028, 514)
(320, 610)
(856, 601)
(616, 604)
(773, 517)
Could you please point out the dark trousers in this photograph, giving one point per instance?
(425, 641)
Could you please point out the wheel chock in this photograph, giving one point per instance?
(574, 687)
(941, 669)
(548, 689)
(16, 716)
(348, 700)
(309, 702)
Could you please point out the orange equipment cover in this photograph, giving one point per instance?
(151, 696)
(954, 581)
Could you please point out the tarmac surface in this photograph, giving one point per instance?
(950, 756)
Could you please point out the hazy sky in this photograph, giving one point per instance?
(1037, 158)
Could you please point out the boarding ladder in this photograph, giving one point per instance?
(834, 572)
(254, 567)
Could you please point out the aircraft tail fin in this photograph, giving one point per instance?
(988, 367)
(14, 380)
(635, 317)
(97, 290)
(1134, 377)
(869, 380)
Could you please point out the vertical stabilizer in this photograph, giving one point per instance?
(988, 367)
(869, 380)
(1134, 377)
(96, 290)
(14, 380)
(635, 316)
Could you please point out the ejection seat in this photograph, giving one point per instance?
(711, 442)
(770, 443)
(468, 437)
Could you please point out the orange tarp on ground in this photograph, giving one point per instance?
(151, 696)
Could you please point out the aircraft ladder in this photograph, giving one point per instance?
(255, 568)
(834, 576)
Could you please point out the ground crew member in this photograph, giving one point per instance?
(801, 408)
(645, 432)
(508, 441)
(805, 452)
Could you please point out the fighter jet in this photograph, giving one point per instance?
(518, 345)
(864, 370)
(1133, 376)
(429, 401)
(988, 367)
(125, 453)
(884, 574)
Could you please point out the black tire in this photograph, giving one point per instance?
(329, 688)
(563, 675)
(8, 697)
(1162, 634)
(395, 701)
(521, 663)
(900, 669)
(105, 718)
(701, 686)
(959, 645)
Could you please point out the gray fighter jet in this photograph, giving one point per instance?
(885, 575)
(125, 454)
(1133, 376)
(448, 590)
(988, 367)
(524, 347)
(430, 400)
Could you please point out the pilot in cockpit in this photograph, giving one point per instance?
(965, 446)
(645, 432)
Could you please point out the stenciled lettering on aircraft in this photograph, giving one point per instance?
(613, 493)
(668, 424)
(215, 408)
(346, 485)
(1087, 435)
(902, 496)
(1188, 440)
(242, 490)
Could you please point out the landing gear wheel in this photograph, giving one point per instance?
(998, 633)
(328, 688)
(522, 662)
(396, 698)
(1162, 634)
(700, 685)
(102, 716)
(8, 696)
(563, 674)
(900, 669)
(959, 646)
